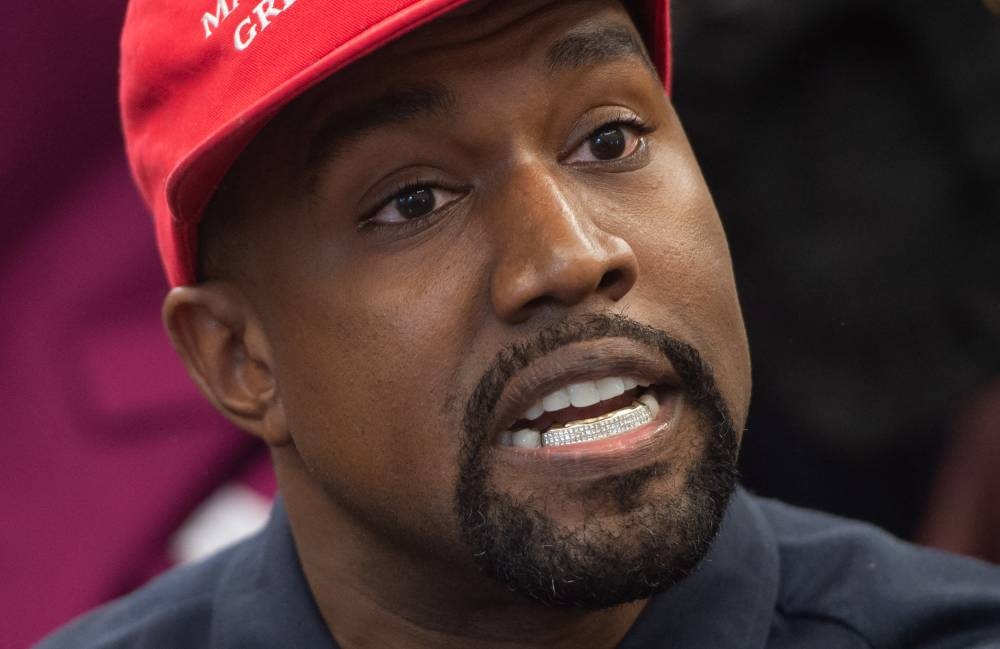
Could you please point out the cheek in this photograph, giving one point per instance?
(686, 274)
(370, 370)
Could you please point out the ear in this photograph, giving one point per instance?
(225, 348)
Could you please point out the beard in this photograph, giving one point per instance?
(652, 543)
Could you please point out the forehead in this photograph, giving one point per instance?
(423, 72)
(497, 35)
(487, 29)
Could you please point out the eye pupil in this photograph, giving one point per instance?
(415, 203)
(607, 143)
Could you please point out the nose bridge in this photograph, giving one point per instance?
(545, 212)
(550, 248)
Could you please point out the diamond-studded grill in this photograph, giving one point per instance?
(623, 420)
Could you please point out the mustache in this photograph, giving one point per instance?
(695, 375)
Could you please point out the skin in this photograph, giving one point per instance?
(352, 352)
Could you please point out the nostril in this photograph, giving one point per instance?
(610, 278)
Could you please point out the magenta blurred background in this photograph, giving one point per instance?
(110, 449)
(108, 446)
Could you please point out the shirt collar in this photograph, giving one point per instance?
(726, 604)
(263, 600)
(729, 601)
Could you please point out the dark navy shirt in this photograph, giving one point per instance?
(776, 577)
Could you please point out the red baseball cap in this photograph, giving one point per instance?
(200, 78)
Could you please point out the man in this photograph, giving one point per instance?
(463, 276)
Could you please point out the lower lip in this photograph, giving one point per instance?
(634, 441)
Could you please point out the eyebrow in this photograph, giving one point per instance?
(594, 47)
(342, 128)
(349, 125)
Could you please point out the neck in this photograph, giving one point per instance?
(374, 592)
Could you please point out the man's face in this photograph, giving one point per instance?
(464, 224)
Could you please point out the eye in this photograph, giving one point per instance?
(411, 203)
(611, 141)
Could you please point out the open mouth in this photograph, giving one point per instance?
(585, 412)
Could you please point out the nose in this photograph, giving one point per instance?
(551, 251)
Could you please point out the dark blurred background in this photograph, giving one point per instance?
(853, 148)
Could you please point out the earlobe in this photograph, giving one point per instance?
(225, 348)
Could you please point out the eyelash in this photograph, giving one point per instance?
(627, 119)
(367, 222)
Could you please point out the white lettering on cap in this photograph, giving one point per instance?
(251, 26)
(245, 32)
(211, 21)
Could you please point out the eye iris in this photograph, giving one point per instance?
(415, 203)
(607, 143)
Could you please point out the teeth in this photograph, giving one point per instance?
(610, 387)
(649, 400)
(642, 411)
(534, 412)
(588, 430)
(584, 394)
(526, 438)
(581, 395)
(556, 401)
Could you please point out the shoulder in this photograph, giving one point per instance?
(879, 588)
(174, 610)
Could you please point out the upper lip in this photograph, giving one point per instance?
(577, 362)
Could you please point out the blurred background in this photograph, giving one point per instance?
(853, 148)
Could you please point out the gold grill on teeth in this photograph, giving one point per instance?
(588, 430)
